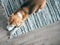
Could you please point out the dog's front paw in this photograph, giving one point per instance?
(9, 28)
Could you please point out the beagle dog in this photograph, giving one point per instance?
(17, 18)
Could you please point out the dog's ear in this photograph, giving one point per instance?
(11, 15)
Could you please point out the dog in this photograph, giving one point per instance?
(18, 17)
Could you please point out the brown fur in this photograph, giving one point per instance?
(15, 20)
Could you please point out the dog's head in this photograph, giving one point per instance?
(16, 19)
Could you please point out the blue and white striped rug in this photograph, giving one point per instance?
(49, 15)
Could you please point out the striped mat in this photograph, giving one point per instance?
(48, 15)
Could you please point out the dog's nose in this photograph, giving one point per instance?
(9, 27)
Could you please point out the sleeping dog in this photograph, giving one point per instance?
(18, 17)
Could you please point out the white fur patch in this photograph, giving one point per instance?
(39, 10)
(10, 27)
(19, 14)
